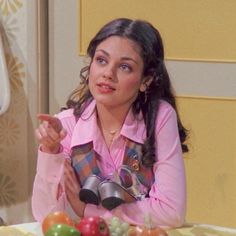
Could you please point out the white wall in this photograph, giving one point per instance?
(65, 63)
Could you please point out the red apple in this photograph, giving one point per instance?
(93, 226)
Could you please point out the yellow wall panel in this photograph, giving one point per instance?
(202, 30)
(211, 162)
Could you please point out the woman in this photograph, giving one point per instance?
(125, 102)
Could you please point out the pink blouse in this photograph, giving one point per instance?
(166, 204)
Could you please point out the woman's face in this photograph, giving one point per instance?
(115, 75)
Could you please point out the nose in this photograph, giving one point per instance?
(109, 72)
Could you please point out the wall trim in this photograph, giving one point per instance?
(205, 98)
(42, 57)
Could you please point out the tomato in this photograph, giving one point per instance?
(93, 226)
(62, 230)
(143, 231)
(58, 217)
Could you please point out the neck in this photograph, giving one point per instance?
(111, 119)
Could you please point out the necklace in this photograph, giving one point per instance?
(110, 135)
(111, 132)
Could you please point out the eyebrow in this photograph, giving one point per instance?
(122, 58)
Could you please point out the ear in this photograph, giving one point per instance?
(145, 83)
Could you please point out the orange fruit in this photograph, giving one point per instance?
(143, 231)
(58, 217)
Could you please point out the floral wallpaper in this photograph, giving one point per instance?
(15, 125)
(10, 6)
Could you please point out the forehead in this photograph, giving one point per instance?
(120, 45)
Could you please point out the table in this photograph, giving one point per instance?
(202, 230)
(30, 229)
(187, 230)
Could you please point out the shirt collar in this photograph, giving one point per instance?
(86, 129)
(134, 127)
(86, 126)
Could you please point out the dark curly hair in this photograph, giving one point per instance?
(152, 52)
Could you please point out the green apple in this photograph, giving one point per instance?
(62, 230)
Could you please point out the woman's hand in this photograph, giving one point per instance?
(50, 133)
(72, 189)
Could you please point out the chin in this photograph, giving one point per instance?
(106, 103)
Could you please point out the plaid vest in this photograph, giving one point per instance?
(84, 162)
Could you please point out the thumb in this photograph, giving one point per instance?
(63, 133)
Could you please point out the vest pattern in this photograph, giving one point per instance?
(133, 159)
(84, 163)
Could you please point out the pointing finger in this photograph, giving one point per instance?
(52, 120)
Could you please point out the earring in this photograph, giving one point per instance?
(145, 93)
(145, 96)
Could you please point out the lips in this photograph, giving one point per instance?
(104, 87)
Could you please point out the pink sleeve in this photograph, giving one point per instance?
(48, 194)
(48, 190)
(167, 202)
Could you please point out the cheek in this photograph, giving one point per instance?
(92, 70)
(132, 84)
(93, 74)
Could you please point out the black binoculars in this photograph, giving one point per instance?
(123, 187)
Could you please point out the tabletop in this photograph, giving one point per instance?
(34, 229)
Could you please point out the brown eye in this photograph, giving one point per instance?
(101, 61)
(126, 67)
